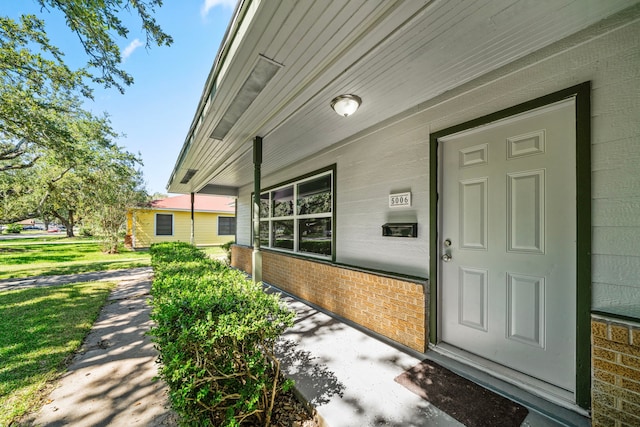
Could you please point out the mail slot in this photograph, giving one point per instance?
(400, 229)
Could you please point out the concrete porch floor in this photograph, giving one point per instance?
(348, 376)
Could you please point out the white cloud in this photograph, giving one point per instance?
(129, 49)
(210, 4)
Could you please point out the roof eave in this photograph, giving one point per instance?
(221, 57)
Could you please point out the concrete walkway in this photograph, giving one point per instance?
(38, 281)
(347, 375)
(110, 380)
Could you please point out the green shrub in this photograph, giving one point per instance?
(174, 251)
(216, 333)
(227, 250)
(86, 232)
(13, 228)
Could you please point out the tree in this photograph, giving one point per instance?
(27, 192)
(116, 189)
(97, 25)
(38, 90)
(92, 182)
(53, 153)
(95, 191)
(157, 196)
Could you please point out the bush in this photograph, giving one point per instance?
(227, 250)
(13, 228)
(86, 232)
(216, 332)
(162, 253)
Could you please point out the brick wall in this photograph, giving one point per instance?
(615, 392)
(387, 305)
(241, 258)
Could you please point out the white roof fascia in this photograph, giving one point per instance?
(242, 17)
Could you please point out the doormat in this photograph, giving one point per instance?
(464, 400)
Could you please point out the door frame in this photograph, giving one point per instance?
(582, 94)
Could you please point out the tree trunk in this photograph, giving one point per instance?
(67, 222)
(69, 225)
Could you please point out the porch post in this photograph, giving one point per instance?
(256, 259)
(193, 226)
(133, 229)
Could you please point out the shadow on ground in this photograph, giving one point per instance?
(111, 380)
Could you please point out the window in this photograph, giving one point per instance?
(164, 224)
(226, 226)
(298, 217)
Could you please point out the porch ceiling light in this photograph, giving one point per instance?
(346, 105)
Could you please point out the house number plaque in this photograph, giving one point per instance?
(399, 200)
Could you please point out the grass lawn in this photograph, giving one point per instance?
(51, 255)
(41, 328)
(214, 251)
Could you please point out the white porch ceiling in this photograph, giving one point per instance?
(393, 54)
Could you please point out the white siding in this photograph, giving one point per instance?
(389, 161)
(243, 217)
(395, 158)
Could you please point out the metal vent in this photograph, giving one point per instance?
(187, 176)
(262, 73)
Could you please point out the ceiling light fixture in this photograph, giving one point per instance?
(346, 105)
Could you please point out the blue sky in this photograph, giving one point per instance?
(156, 111)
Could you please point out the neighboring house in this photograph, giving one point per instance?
(31, 224)
(170, 220)
(484, 200)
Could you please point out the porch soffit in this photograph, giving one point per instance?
(393, 54)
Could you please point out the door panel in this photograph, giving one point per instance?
(472, 311)
(473, 214)
(525, 211)
(508, 229)
(525, 309)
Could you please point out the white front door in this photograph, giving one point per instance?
(508, 243)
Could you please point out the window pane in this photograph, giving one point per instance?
(264, 205)
(283, 234)
(282, 202)
(264, 233)
(315, 235)
(315, 196)
(226, 226)
(164, 225)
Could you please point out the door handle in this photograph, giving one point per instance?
(446, 257)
